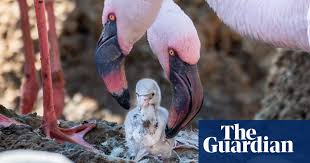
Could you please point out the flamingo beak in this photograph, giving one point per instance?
(187, 95)
(110, 62)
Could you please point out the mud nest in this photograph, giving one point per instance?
(107, 137)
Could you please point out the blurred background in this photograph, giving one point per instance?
(242, 79)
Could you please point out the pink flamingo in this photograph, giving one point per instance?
(283, 23)
(173, 39)
(52, 76)
(125, 23)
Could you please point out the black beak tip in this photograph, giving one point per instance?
(123, 99)
(170, 133)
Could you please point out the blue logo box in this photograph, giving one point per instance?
(254, 141)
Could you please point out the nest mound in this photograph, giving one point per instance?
(107, 137)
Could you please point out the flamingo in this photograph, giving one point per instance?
(173, 39)
(282, 23)
(52, 76)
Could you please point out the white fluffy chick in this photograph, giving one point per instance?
(145, 124)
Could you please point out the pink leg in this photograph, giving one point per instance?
(30, 86)
(57, 73)
(50, 127)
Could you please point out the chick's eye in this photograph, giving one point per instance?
(153, 94)
(171, 52)
(112, 17)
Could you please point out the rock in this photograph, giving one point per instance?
(288, 89)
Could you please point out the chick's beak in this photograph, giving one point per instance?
(187, 95)
(144, 100)
(110, 62)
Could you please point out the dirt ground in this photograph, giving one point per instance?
(108, 137)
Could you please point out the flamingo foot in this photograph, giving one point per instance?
(6, 121)
(74, 135)
(184, 146)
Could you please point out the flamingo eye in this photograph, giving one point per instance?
(112, 17)
(171, 52)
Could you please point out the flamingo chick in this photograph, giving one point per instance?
(145, 124)
(173, 39)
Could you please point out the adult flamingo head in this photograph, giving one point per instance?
(124, 22)
(174, 40)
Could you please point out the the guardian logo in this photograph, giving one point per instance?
(240, 140)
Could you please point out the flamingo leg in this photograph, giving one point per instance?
(57, 72)
(50, 127)
(30, 86)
